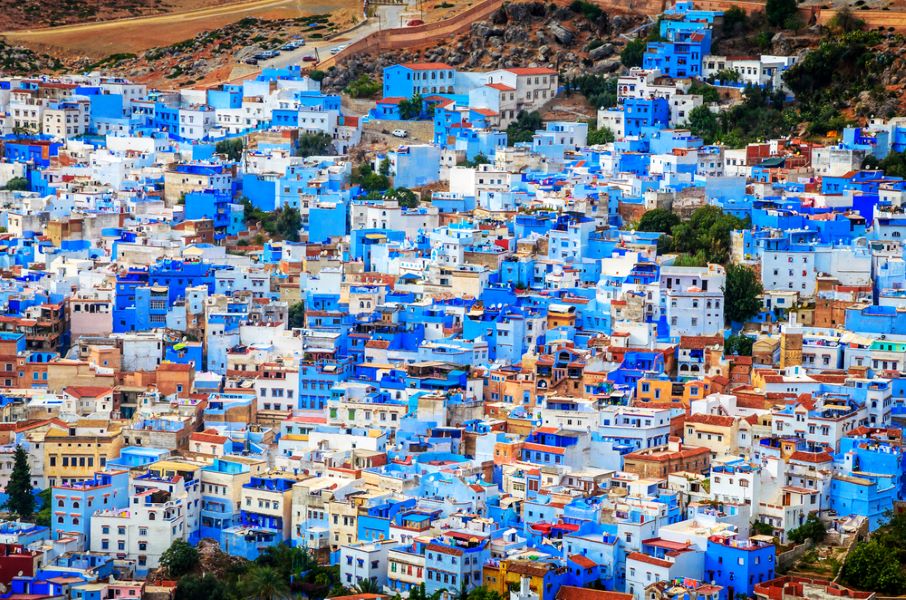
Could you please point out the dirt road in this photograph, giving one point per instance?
(136, 34)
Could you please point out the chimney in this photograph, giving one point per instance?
(674, 444)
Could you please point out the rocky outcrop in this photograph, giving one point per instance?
(516, 35)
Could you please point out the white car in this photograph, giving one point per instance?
(338, 49)
(400, 133)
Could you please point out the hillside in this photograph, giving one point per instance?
(31, 14)
(574, 41)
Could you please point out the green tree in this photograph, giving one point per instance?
(524, 127)
(20, 498)
(632, 53)
(406, 197)
(691, 260)
(589, 10)
(314, 144)
(779, 11)
(288, 224)
(365, 177)
(726, 76)
(761, 528)
(366, 586)
(600, 136)
(480, 159)
(845, 21)
(297, 315)
(411, 108)
(384, 167)
(871, 566)
(317, 75)
(740, 345)
(829, 73)
(483, 593)
(232, 148)
(658, 219)
(288, 560)
(741, 296)
(363, 86)
(17, 184)
(263, 583)
(735, 22)
(893, 164)
(44, 513)
(703, 123)
(599, 90)
(708, 93)
(664, 244)
(179, 559)
(418, 593)
(707, 232)
(812, 529)
(205, 587)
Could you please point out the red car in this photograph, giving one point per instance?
(309, 58)
(415, 22)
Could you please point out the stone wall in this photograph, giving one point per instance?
(787, 559)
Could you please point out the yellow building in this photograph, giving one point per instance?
(790, 349)
(665, 390)
(718, 433)
(508, 573)
(75, 452)
(169, 469)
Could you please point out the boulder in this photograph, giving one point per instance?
(608, 65)
(602, 51)
(563, 35)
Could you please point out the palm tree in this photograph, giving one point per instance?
(264, 583)
(288, 560)
(366, 586)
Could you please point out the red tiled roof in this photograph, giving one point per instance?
(583, 561)
(391, 100)
(532, 71)
(700, 341)
(426, 66)
(445, 549)
(487, 112)
(666, 544)
(87, 391)
(811, 457)
(543, 448)
(648, 559)
(568, 592)
(210, 436)
(716, 420)
(501, 87)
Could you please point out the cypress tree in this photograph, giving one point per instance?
(19, 497)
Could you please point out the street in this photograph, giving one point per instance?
(386, 17)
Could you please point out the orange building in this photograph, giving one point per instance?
(663, 460)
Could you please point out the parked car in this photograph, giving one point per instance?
(400, 133)
(292, 45)
(415, 22)
(251, 61)
(338, 49)
(309, 58)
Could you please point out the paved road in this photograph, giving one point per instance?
(388, 16)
